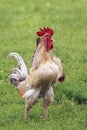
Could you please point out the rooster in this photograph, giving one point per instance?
(45, 71)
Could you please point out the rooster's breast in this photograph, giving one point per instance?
(48, 72)
(44, 76)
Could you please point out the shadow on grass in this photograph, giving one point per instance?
(78, 98)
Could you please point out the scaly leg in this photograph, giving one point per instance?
(31, 99)
(28, 106)
(47, 99)
(45, 106)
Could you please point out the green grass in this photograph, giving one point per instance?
(19, 20)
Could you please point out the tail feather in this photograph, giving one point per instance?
(17, 74)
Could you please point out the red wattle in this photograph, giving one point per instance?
(48, 44)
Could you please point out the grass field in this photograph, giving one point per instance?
(19, 21)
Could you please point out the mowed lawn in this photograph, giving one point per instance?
(19, 21)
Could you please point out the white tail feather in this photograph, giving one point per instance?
(18, 73)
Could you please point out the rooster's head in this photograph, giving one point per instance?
(47, 34)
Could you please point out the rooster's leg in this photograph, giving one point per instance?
(45, 106)
(31, 98)
(47, 99)
(27, 108)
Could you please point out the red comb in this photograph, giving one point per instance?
(44, 30)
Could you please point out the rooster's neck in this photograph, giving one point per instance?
(41, 55)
